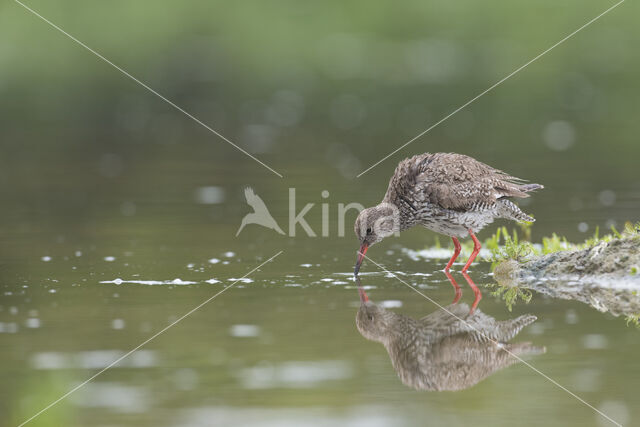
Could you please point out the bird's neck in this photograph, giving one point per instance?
(404, 211)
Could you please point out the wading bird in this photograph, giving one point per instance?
(448, 193)
(448, 349)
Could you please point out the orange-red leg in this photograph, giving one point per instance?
(455, 286)
(476, 249)
(456, 252)
(476, 292)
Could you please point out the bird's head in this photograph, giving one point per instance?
(374, 322)
(374, 224)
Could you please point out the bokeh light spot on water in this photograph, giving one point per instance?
(595, 342)
(583, 227)
(210, 195)
(8, 327)
(117, 324)
(32, 322)
(244, 331)
(571, 317)
(587, 380)
(607, 197)
(559, 135)
(93, 359)
(294, 374)
(124, 399)
(286, 108)
(177, 281)
(391, 303)
(259, 138)
(241, 280)
(615, 409)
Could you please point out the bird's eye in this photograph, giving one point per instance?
(369, 230)
(370, 317)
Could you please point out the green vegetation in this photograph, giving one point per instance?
(505, 246)
(508, 250)
(512, 248)
(633, 319)
(510, 294)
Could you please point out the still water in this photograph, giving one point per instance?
(281, 346)
(119, 215)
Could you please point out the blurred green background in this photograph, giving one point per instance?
(95, 167)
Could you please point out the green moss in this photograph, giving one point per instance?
(510, 294)
(525, 228)
(554, 243)
(512, 247)
(634, 319)
(504, 245)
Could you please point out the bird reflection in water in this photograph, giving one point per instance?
(449, 350)
(458, 290)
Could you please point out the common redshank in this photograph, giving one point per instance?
(449, 349)
(448, 193)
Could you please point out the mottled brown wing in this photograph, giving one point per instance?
(452, 181)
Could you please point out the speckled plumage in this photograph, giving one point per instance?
(448, 193)
(451, 193)
(442, 351)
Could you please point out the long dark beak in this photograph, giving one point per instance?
(363, 296)
(360, 258)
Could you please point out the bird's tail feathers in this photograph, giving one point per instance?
(510, 328)
(507, 209)
(531, 187)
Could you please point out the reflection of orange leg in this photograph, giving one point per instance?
(456, 252)
(363, 295)
(476, 249)
(475, 290)
(455, 286)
